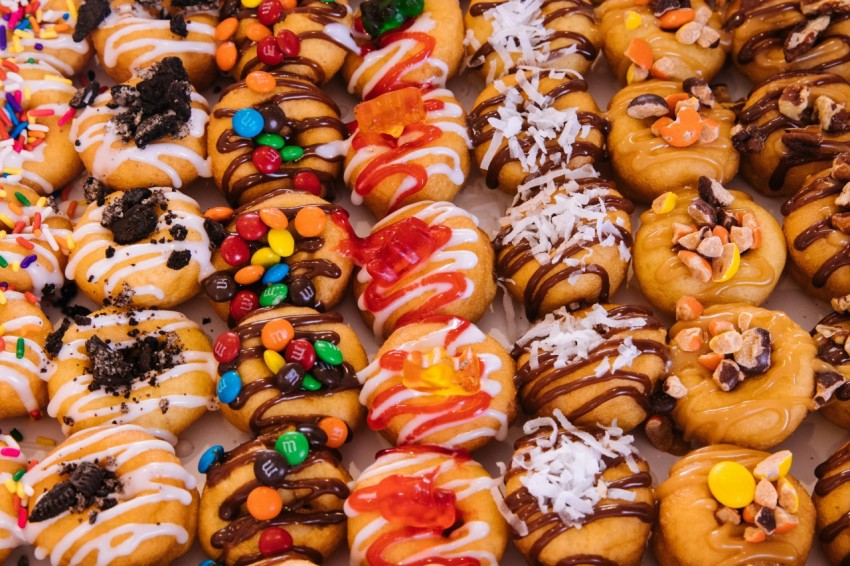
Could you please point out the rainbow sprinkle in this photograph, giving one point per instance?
(27, 21)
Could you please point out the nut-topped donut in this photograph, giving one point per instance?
(792, 126)
(666, 135)
(274, 500)
(830, 499)
(507, 34)
(12, 462)
(597, 365)
(23, 358)
(534, 122)
(832, 366)
(289, 137)
(149, 131)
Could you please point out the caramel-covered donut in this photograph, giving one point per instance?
(830, 497)
(23, 358)
(12, 461)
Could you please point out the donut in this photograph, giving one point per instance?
(141, 248)
(404, 44)
(296, 118)
(564, 244)
(666, 135)
(740, 374)
(36, 151)
(288, 364)
(152, 368)
(140, 134)
(410, 147)
(607, 495)
(777, 36)
(528, 124)
(555, 34)
(597, 366)
(111, 495)
(428, 258)
(832, 367)
(792, 126)
(706, 517)
(307, 38)
(428, 503)
(278, 248)
(442, 382)
(23, 358)
(12, 462)
(662, 39)
(830, 499)
(714, 244)
(274, 500)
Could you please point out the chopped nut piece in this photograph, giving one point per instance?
(726, 515)
(754, 535)
(833, 117)
(774, 466)
(789, 500)
(674, 387)
(841, 304)
(698, 266)
(691, 102)
(710, 247)
(843, 198)
(709, 38)
(741, 237)
(689, 33)
(659, 431)
(803, 37)
(702, 14)
(689, 339)
(691, 241)
(766, 494)
(648, 106)
(829, 331)
(826, 384)
(841, 221)
(714, 193)
(727, 375)
(794, 101)
(810, 7)
(785, 521)
(688, 308)
(754, 355)
(702, 213)
(719, 326)
(748, 513)
(744, 320)
(766, 520)
(663, 67)
(637, 74)
(699, 89)
(710, 130)
(726, 343)
(841, 167)
(681, 230)
(749, 220)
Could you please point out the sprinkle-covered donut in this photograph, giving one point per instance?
(23, 358)
(12, 464)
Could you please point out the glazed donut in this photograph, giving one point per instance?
(108, 493)
(608, 489)
(251, 274)
(441, 381)
(830, 499)
(304, 125)
(24, 362)
(741, 375)
(318, 36)
(285, 487)
(564, 244)
(696, 529)
(665, 40)
(425, 51)
(777, 36)
(425, 158)
(36, 152)
(427, 504)
(149, 131)
(713, 244)
(832, 367)
(12, 461)
(597, 366)
(534, 122)
(792, 126)
(428, 258)
(152, 368)
(505, 35)
(666, 135)
(141, 248)
(286, 364)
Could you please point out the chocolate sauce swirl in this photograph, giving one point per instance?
(831, 477)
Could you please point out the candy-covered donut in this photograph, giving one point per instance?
(662, 39)
(740, 374)
(152, 368)
(407, 146)
(713, 244)
(23, 359)
(792, 126)
(564, 243)
(534, 122)
(597, 366)
(279, 248)
(142, 247)
(307, 38)
(110, 493)
(572, 492)
(776, 36)
(289, 137)
(666, 135)
(441, 381)
(12, 462)
(424, 505)
(289, 364)
(148, 132)
(505, 35)
(830, 497)
(275, 500)
(427, 258)
(728, 505)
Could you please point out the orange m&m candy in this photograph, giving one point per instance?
(225, 56)
(277, 334)
(264, 503)
(257, 31)
(310, 221)
(260, 81)
(336, 429)
(249, 274)
(226, 29)
(218, 213)
(274, 218)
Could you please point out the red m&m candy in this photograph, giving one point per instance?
(300, 351)
(243, 303)
(268, 12)
(288, 43)
(235, 250)
(274, 540)
(268, 52)
(226, 347)
(266, 159)
(308, 182)
(250, 226)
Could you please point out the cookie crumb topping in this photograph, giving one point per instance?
(89, 486)
(115, 368)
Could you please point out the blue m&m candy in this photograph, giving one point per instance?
(229, 386)
(210, 457)
(247, 122)
(275, 274)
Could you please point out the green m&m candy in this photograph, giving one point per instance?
(293, 446)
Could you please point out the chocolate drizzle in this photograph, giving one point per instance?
(831, 477)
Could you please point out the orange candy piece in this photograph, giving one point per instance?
(336, 430)
(274, 218)
(277, 334)
(674, 19)
(310, 221)
(225, 56)
(288, 4)
(640, 53)
(685, 130)
(249, 274)
(226, 29)
(264, 503)
(260, 81)
(219, 213)
(390, 113)
(257, 31)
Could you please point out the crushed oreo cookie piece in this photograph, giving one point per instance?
(178, 232)
(85, 96)
(178, 259)
(54, 340)
(88, 485)
(116, 369)
(89, 17)
(178, 25)
(95, 191)
(215, 232)
(131, 216)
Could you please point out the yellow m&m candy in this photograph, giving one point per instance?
(732, 484)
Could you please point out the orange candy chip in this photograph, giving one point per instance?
(219, 213)
(336, 430)
(310, 221)
(685, 130)
(274, 218)
(257, 31)
(264, 503)
(225, 56)
(260, 81)
(249, 274)
(674, 19)
(640, 54)
(277, 334)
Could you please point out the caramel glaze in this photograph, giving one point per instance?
(584, 46)
(251, 330)
(242, 526)
(546, 373)
(831, 477)
(482, 132)
(547, 276)
(832, 353)
(229, 142)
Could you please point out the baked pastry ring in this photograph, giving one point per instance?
(830, 499)
(23, 358)
(11, 463)
(832, 368)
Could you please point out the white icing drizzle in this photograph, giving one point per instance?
(22, 374)
(11, 535)
(53, 48)
(341, 34)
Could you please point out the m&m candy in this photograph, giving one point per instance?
(732, 484)
(229, 386)
(274, 540)
(282, 242)
(328, 352)
(247, 122)
(277, 333)
(250, 226)
(226, 347)
(270, 467)
(336, 431)
(266, 159)
(210, 457)
(275, 274)
(310, 221)
(235, 250)
(293, 446)
(301, 352)
(273, 295)
(264, 503)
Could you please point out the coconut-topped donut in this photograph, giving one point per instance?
(505, 35)
(149, 131)
(12, 517)
(23, 358)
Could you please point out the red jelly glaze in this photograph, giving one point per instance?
(392, 79)
(266, 159)
(268, 52)
(234, 250)
(268, 12)
(375, 554)
(412, 501)
(226, 347)
(250, 226)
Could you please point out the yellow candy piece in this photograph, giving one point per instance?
(633, 20)
(664, 203)
(265, 257)
(282, 242)
(274, 361)
(441, 374)
(729, 265)
(251, 3)
(732, 484)
(11, 486)
(774, 466)
(788, 498)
